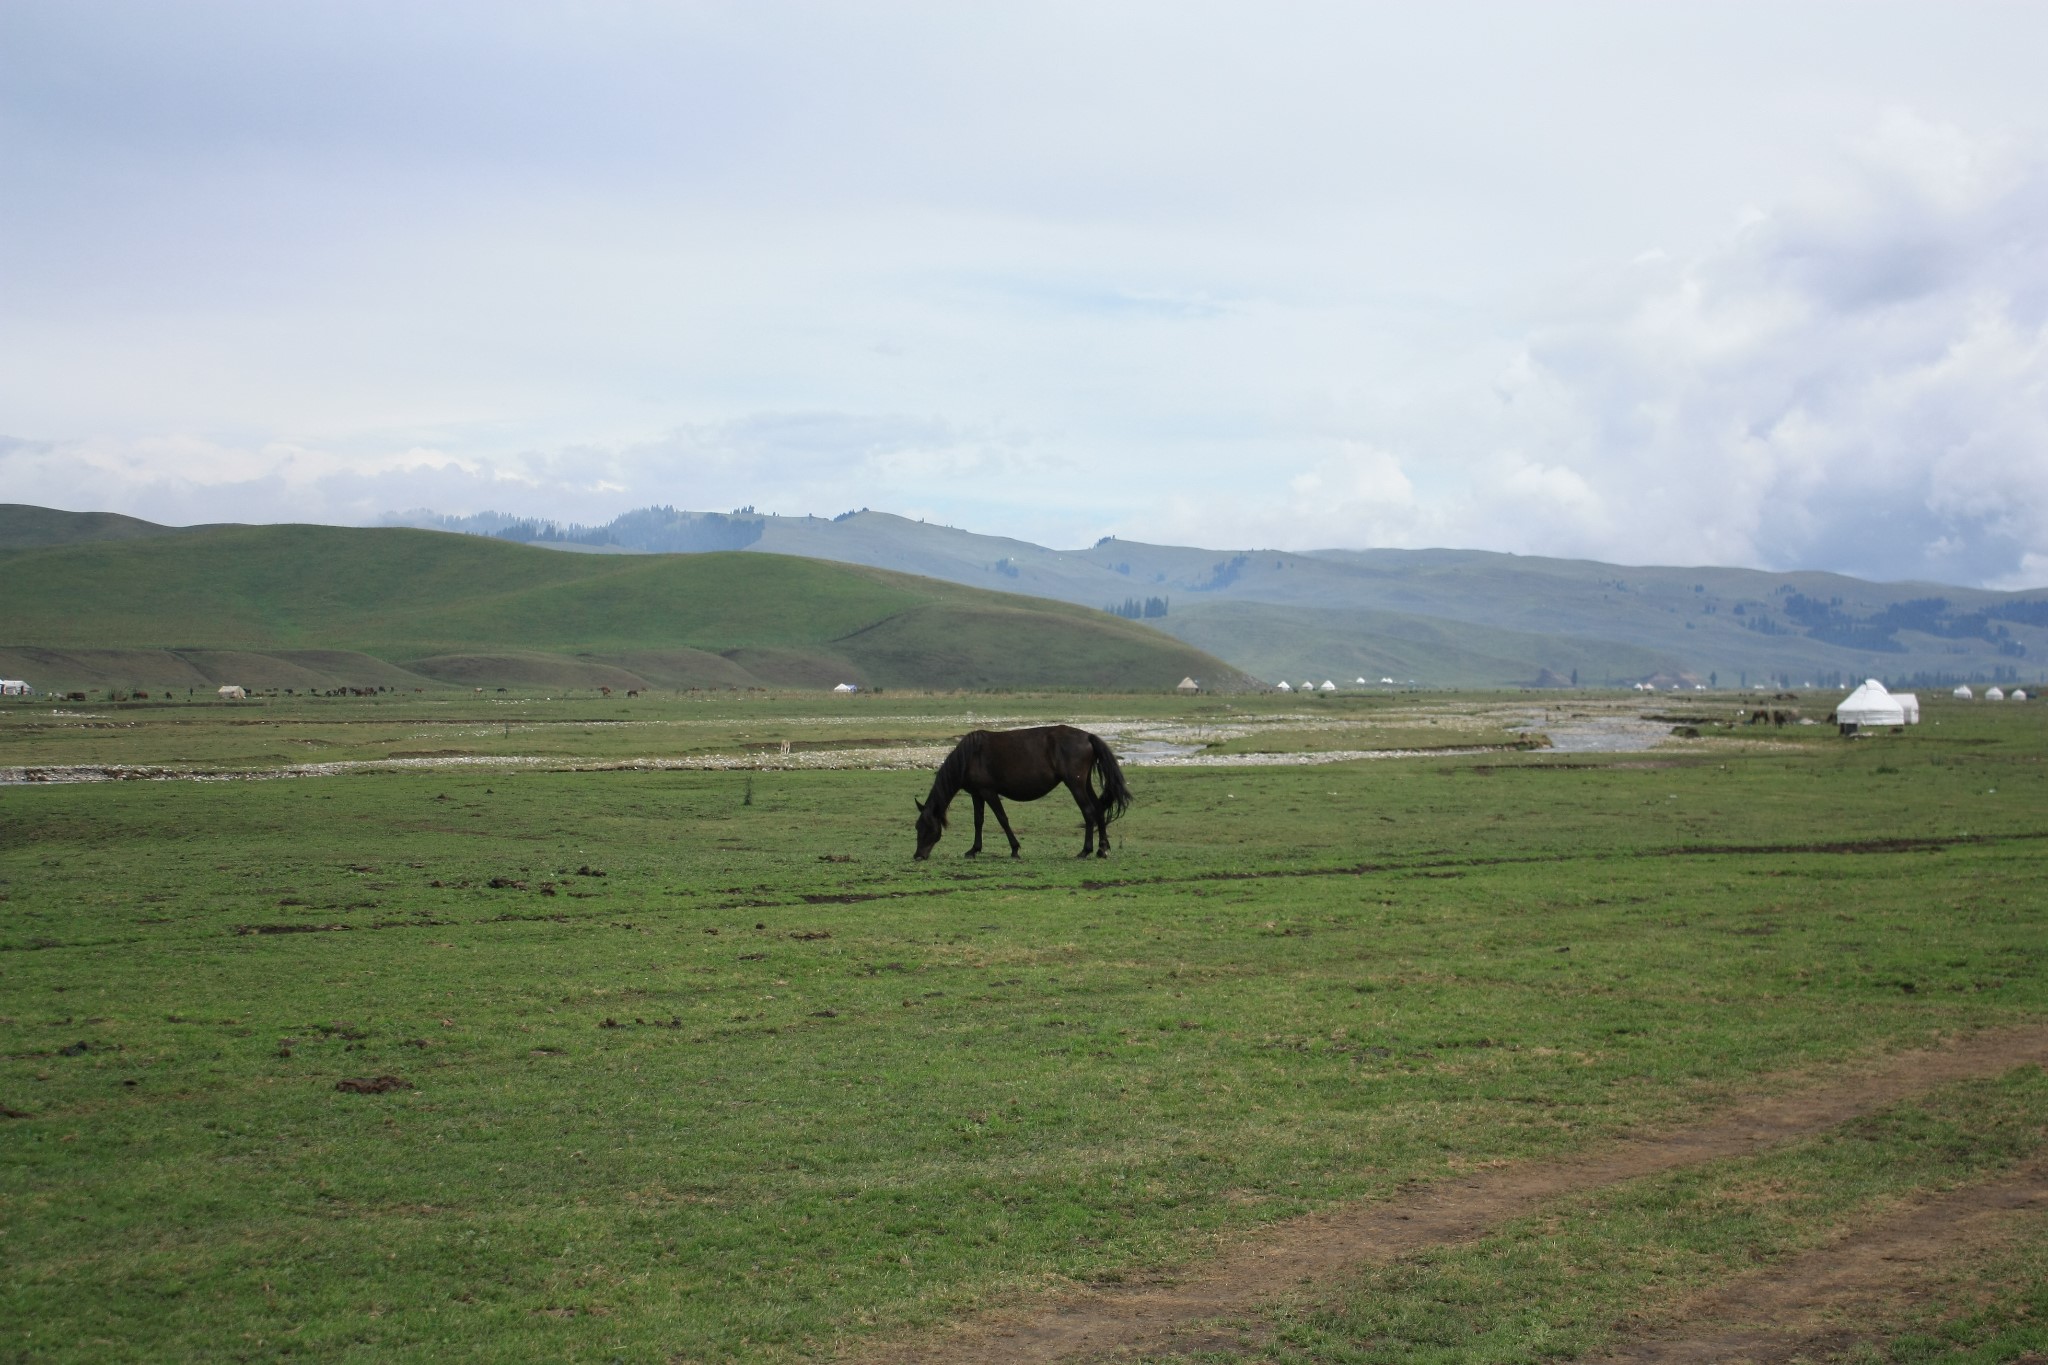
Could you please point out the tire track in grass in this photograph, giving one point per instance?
(1796, 1310)
(1108, 1323)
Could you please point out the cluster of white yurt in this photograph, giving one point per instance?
(1870, 704)
(1326, 685)
(1994, 693)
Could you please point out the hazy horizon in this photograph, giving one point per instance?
(489, 521)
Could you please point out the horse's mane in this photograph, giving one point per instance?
(952, 774)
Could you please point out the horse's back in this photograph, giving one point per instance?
(1025, 764)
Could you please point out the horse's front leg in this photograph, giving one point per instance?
(1003, 819)
(972, 852)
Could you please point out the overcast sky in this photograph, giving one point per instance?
(1653, 283)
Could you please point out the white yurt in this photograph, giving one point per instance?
(1994, 694)
(1909, 702)
(233, 693)
(2017, 695)
(1187, 685)
(1328, 686)
(1964, 693)
(1870, 704)
(846, 687)
(1284, 687)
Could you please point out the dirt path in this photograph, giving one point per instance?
(1109, 1324)
(1799, 1309)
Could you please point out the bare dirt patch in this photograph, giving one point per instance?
(1106, 1323)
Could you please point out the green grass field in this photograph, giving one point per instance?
(698, 1065)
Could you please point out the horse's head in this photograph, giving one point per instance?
(931, 823)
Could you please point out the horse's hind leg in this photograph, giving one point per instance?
(1091, 816)
(1003, 819)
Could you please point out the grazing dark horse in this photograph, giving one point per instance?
(1024, 765)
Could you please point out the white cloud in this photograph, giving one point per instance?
(1851, 379)
(1855, 381)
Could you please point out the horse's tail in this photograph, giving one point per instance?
(1116, 797)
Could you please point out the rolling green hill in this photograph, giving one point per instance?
(1441, 617)
(23, 527)
(315, 606)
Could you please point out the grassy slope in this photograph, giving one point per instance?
(1343, 644)
(1608, 617)
(26, 527)
(1288, 988)
(467, 605)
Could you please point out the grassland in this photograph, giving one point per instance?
(698, 1065)
(316, 606)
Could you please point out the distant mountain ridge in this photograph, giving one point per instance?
(1455, 617)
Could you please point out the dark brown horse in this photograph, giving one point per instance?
(1024, 765)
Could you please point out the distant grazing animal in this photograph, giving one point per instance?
(1024, 765)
